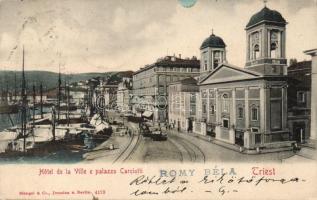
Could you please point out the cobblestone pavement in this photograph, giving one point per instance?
(181, 147)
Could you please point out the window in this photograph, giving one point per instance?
(204, 108)
(254, 130)
(274, 69)
(254, 114)
(257, 138)
(273, 49)
(192, 98)
(255, 45)
(301, 97)
(204, 93)
(212, 109)
(205, 65)
(276, 114)
(217, 59)
(276, 108)
(240, 113)
(211, 93)
(225, 123)
(274, 44)
(193, 109)
(256, 51)
(225, 103)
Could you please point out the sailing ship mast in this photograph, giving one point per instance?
(41, 93)
(59, 93)
(34, 96)
(15, 87)
(24, 105)
(67, 99)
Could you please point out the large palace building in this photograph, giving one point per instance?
(247, 106)
(150, 93)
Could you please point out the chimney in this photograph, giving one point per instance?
(180, 56)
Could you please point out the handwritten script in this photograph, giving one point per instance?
(218, 185)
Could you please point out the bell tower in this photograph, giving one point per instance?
(266, 37)
(213, 53)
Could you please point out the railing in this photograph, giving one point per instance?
(277, 137)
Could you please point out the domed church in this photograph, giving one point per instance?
(246, 106)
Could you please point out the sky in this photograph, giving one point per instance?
(111, 35)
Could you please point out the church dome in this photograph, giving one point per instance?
(266, 15)
(213, 41)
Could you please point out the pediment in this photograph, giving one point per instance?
(226, 73)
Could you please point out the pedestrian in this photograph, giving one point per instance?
(129, 132)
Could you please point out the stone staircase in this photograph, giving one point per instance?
(308, 151)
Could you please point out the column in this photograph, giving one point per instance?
(280, 44)
(211, 66)
(263, 102)
(247, 134)
(217, 129)
(246, 103)
(165, 96)
(262, 109)
(279, 39)
(313, 132)
(248, 47)
(157, 83)
(234, 109)
(284, 44)
(313, 126)
(217, 106)
(268, 43)
(260, 44)
(208, 104)
(233, 118)
(284, 107)
(225, 58)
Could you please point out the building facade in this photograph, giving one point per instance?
(299, 95)
(313, 101)
(248, 106)
(182, 97)
(124, 95)
(150, 85)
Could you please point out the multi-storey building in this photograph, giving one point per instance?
(124, 94)
(150, 84)
(248, 106)
(182, 97)
(298, 93)
(313, 101)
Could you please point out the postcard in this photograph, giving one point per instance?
(161, 99)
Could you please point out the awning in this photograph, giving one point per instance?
(147, 114)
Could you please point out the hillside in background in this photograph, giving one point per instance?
(49, 80)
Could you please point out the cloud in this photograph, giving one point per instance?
(109, 35)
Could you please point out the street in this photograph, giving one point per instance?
(178, 148)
